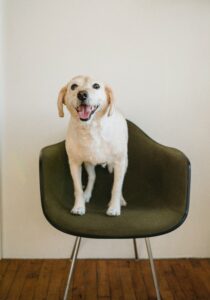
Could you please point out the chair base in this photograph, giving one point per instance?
(74, 254)
(75, 251)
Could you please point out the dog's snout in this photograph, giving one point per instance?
(82, 95)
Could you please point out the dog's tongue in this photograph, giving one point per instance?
(84, 111)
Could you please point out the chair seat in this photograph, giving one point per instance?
(156, 189)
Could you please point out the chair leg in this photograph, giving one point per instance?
(73, 260)
(135, 249)
(149, 251)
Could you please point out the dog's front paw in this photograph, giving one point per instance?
(113, 211)
(87, 196)
(78, 210)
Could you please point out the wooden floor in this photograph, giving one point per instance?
(183, 279)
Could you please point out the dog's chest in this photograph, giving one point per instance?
(93, 145)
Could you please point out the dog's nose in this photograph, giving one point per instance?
(82, 95)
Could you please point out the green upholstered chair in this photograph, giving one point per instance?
(156, 188)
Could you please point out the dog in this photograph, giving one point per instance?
(97, 134)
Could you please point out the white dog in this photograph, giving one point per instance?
(97, 134)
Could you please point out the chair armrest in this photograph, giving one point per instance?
(160, 171)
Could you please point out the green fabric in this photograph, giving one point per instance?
(156, 188)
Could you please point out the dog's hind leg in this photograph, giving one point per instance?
(91, 180)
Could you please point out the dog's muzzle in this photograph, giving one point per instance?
(85, 111)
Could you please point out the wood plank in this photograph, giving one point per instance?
(42, 286)
(172, 280)
(8, 278)
(58, 267)
(187, 279)
(126, 280)
(114, 280)
(147, 276)
(90, 280)
(78, 290)
(103, 279)
(197, 282)
(31, 278)
(65, 277)
(19, 280)
(3, 267)
(181, 275)
(165, 291)
(204, 273)
(138, 280)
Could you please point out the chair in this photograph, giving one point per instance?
(156, 187)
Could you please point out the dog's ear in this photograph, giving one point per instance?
(61, 100)
(110, 100)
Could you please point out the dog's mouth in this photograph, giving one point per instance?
(85, 111)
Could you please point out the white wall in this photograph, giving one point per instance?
(156, 56)
(1, 111)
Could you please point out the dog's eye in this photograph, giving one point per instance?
(96, 86)
(74, 86)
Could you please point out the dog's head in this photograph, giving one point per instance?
(86, 99)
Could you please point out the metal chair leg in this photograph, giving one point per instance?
(135, 249)
(73, 260)
(149, 251)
